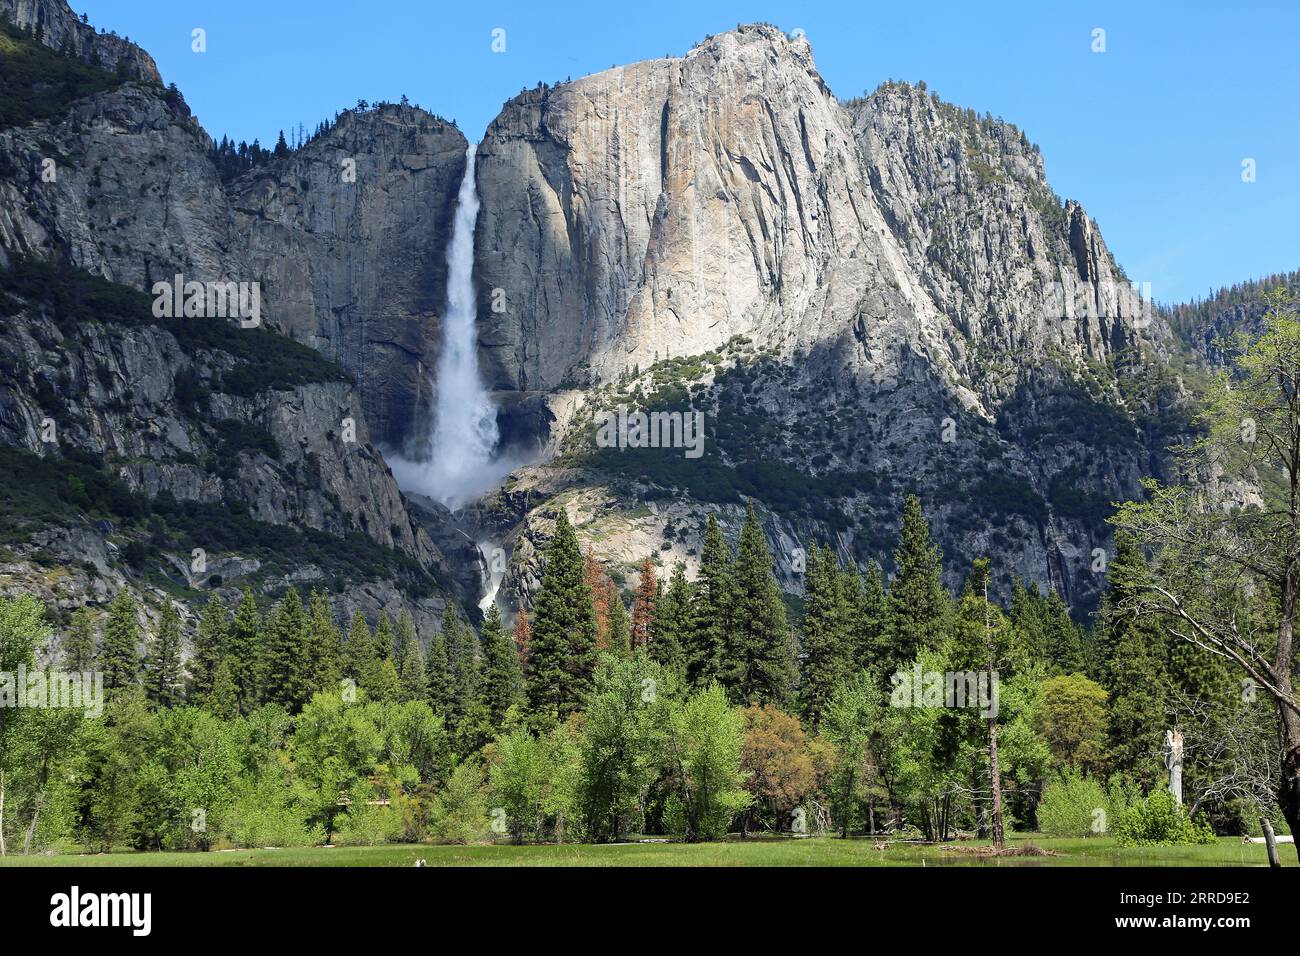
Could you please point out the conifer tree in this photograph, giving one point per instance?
(562, 651)
(826, 651)
(757, 663)
(643, 606)
(359, 653)
(403, 635)
(463, 663)
(917, 606)
(120, 656)
(384, 639)
(383, 683)
(211, 646)
(79, 643)
(864, 595)
(162, 666)
(711, 607)
(324, 643)
(415, 681)
(286, 654)
(602, 594)
(619, 638)
(245, 638)
(437, 672)
(523, 636)
(503, 683)
(223, 699)
(672, 623)
(1133, 669)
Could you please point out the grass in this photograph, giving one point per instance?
(1096, 851)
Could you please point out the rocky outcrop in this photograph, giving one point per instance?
(661, 208)
(348, 236)
(59, 27)
(916, 308)
(134, 197)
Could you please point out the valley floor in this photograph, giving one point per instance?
(1097, 851)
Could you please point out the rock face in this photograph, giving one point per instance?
(864, 298)
(349, 236)
(135, 197)
(261, 430)
(61, 29)
(924, 311)
(661, 208)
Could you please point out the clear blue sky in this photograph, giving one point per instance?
(1149, 135)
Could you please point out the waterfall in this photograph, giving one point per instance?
(461, 464)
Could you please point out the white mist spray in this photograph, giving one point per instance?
(461, 465)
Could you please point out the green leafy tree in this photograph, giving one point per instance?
(1214, 556)
(703, 746)
(622, 742)
(1072, 721)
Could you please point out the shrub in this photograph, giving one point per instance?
(1158, 820)
(1073, 806)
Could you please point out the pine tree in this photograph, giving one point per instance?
(827, 653)
(672, 623)
(245, 638)
(211, 646)
(917, 606)
(403, 635)
(79, 643)
(711, 607)
(602, 595)
(223, 699)
(523, 637)
(162, 666)
(757, 662)
(359, 652)
(643, 606)
(619, 640)
(562, 651)
(286, 655)
(463, 664)
(120, 659)
(324, 642)
(415, 682)
(1132, 669)
(383, 684)
(384, 638)
(864, 595)
(437, 672)
(503, 680)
